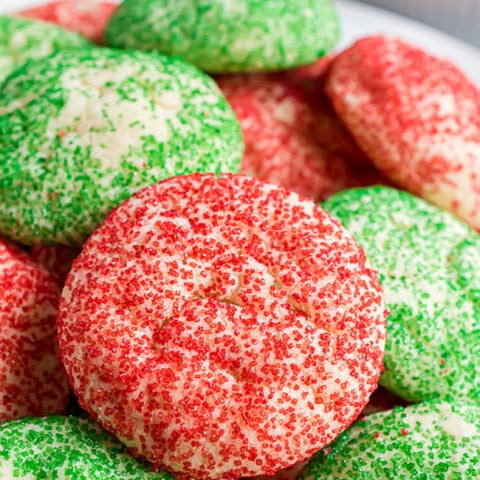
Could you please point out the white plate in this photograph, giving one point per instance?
(359, 20)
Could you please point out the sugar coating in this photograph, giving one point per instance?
(428, 263)
(416, 116)
(228, 36)
(23, 39)
(434, 440)
(291, 133)
(309, 81)
(87, 17)
(32, 380)
(222, 327)
(81, 131)
(66, 447)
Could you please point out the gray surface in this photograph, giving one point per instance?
(460, 18)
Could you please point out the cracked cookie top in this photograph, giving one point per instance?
(222, 326)
(82, 130)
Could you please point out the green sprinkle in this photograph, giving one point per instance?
(429, 441)
(112, 144)
(59, 447)
(429, 268)
(233, 36)
(22, 39)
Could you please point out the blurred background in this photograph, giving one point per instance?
(460, 18)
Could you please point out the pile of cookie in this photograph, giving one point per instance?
(229, 250)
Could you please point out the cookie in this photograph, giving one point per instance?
(428, 264)
(82, 130)
(23, 39)
(291, 133)
(32, 380)
(416, 116)
(434, 440)
(66, 447)
(87, 17)
(224, 37)
(222, 326)
(328, 128)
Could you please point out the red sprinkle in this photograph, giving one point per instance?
(32, 381)
(210, 322)
(416, 116)
(292, 135)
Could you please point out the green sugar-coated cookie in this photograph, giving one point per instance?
(82, 130)
(428, 263)
(233, 36)
(428, 441)
(23, 39)
(67, 448)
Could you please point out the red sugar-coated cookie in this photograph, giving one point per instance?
(416, 116)
(221, 326)
(326, 125)
(32, 379)
(58, 259)
(87, 17)
(292, 135)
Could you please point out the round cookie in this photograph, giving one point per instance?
(23, 39)
(224, 37)
(32, 379)
(416, 116)
(87, 17)
(291, 133)
(66, 447)
(214, 325)
(428, 264)
(82, 130)
(434, 440)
